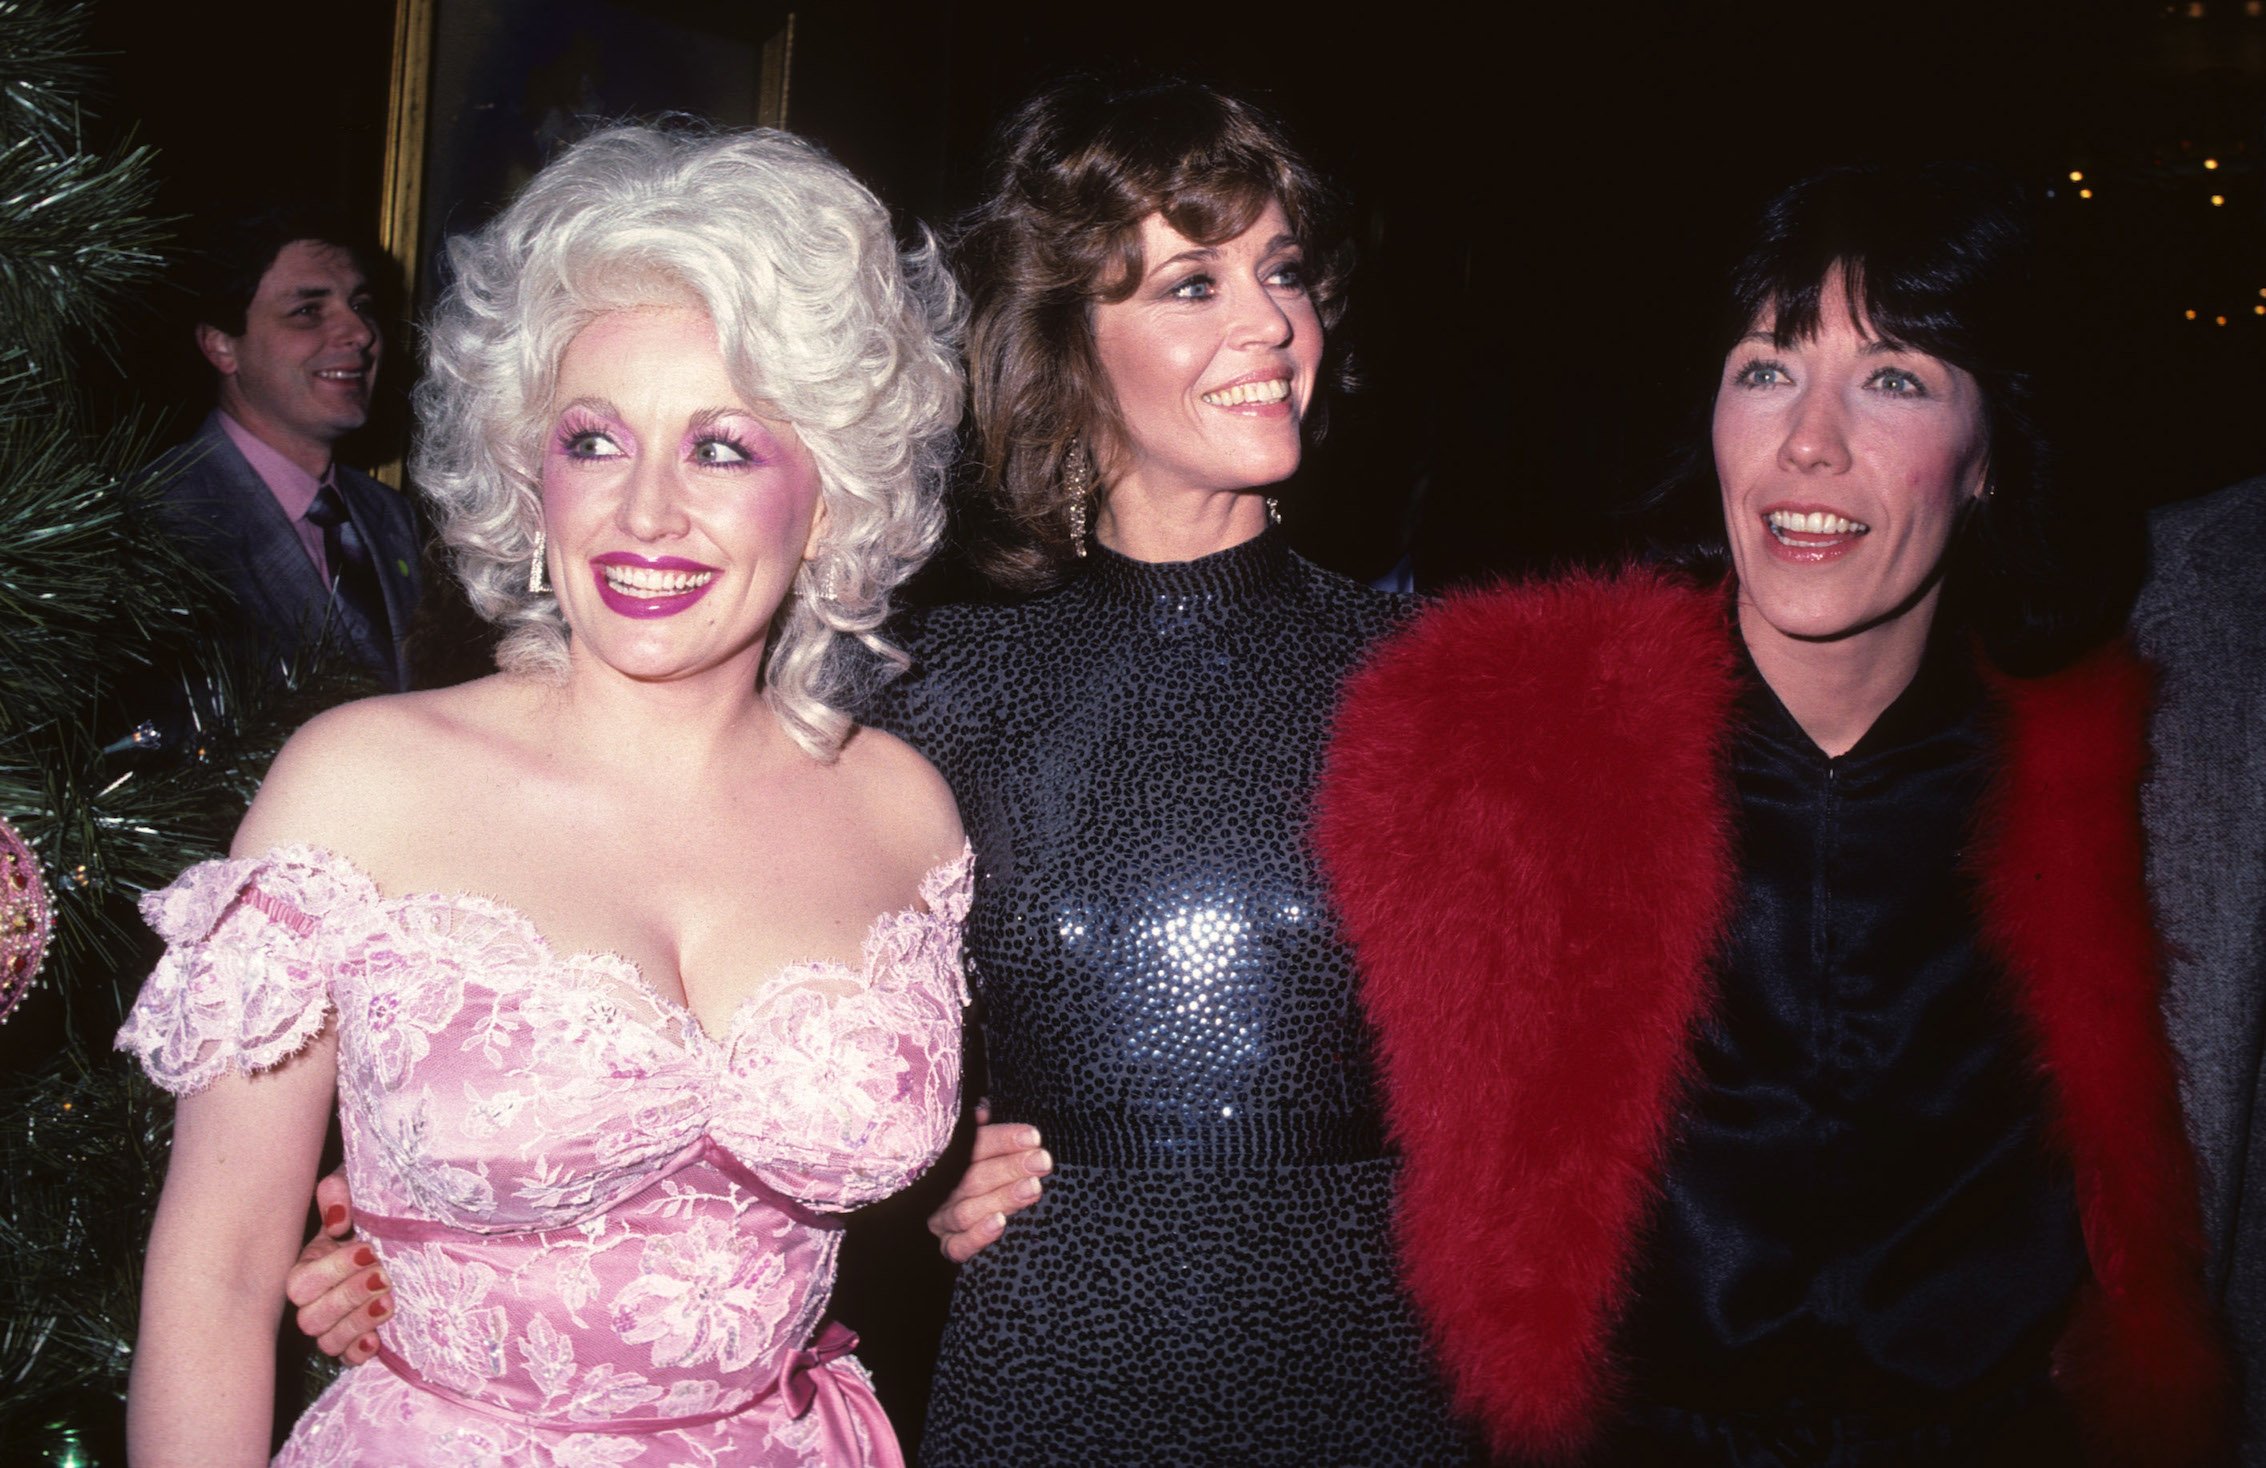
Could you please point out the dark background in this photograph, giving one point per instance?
(1543, 203)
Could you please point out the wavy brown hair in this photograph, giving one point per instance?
(1076, 170)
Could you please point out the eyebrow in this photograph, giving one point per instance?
(1875, 347)
(1201, 253)
(359, 286)
(705, 418)
(1205, 254)
(710, 417)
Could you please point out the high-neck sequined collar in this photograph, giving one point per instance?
(1232, 577)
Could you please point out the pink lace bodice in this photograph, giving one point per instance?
(607, 1230)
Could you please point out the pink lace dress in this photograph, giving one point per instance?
(610, 1234)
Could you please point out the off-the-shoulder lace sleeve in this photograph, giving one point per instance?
(243, 984)
(948, 892)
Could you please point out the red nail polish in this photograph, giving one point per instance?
(375, 1282)
(365, 1256)
(377, 1309)
(334, 1215)
(368, 1343)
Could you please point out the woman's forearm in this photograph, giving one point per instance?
(203, 1387)
(227, 1229)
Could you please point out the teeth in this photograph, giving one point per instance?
(1816, 522)
(341, 374)
(1273, 390)
(648, 581)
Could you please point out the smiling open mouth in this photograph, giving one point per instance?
(1794, 528)
(1250, 394)
(646, 582)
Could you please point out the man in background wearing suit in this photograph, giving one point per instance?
(312, 551)
(2202, 620)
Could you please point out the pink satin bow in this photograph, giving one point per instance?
(797, 1384)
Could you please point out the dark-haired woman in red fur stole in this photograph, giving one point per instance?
(1765, 986)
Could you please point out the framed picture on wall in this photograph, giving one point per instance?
(486, 91)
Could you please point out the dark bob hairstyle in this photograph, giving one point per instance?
(1940, 259)
(1076, 170)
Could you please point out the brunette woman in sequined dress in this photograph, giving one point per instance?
(1205, 1275)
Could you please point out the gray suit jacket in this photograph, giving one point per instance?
(230, 523)
(2202, 619)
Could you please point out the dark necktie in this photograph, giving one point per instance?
(359, 606)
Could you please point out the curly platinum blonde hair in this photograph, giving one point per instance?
(822, 322)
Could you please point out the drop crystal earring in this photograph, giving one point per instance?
(1274, 510)
(535, 585)
(1077, 483)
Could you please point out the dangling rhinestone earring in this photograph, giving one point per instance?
(1274, 510)
(535, 567)
(1077, 481)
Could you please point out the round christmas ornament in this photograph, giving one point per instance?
(27, 921)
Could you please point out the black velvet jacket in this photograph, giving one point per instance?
(1860, 1212)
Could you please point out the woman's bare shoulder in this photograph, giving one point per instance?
(352, 775)
(911, 809)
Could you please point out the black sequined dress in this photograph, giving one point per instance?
(1209, 1278)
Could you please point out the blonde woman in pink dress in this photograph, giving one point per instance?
(632, 966)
